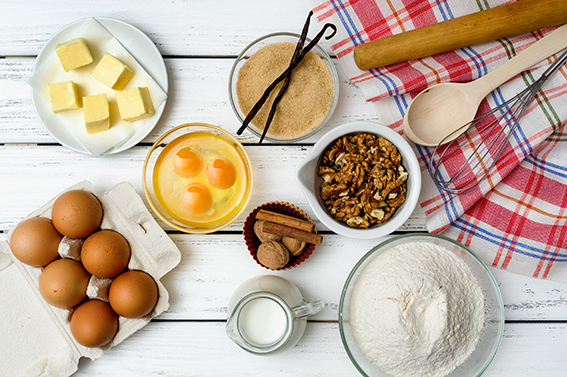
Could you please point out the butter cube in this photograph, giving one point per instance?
(96, 113)
(74, 54)
(112, 72)
(63, 96)
(134, 104)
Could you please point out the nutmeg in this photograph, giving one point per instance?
(294, 245)
(263, 236)
(273, 255)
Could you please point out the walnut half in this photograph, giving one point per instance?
(294, 246)
(273, 255)
(263, 236)
(364, 179)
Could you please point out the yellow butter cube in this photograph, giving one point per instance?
(74, 54)
(96, 113)
(63, 96)
(134, 104)
(112, 72)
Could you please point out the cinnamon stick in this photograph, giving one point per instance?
(287, 231)
(286, 220)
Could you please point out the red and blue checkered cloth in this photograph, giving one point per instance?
(517, 218)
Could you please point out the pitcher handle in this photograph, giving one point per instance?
(310, 307)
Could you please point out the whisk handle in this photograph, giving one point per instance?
(538, 51)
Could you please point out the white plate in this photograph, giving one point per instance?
(138, 45)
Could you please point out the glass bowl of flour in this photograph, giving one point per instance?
(421, 305)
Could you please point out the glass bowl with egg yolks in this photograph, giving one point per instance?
(198, 178)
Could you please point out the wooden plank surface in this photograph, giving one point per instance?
(199, 40)
(184, 349)
(198, 92)
(201, 285)
(56, 168)
(177, 27)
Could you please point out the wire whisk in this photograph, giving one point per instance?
(483, 144)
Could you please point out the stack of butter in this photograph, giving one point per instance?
(133, 104)
(55, 66)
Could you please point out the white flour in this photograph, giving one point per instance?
(417, 310)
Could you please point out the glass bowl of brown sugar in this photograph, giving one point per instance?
(309, 101)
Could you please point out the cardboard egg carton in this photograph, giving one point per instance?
(36, 337)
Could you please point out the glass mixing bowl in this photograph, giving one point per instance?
(150, 166)
(254, 47)
(490, 335)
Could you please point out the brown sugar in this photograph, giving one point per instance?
(307, 100)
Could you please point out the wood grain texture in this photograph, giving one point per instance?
(177, 27)
(200, 40)
(198, 92)
(212, 266)
(472, 29)
(185, 349)
(54, 168)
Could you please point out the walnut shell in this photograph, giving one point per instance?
(263, 236)
(294, 246)
(273, 255)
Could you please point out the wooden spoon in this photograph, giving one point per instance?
(442, 109)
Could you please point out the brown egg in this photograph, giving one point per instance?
(63, 283)
(94, 324)
(105, 254)
(35, 241)
(133, 294)
(76, 213)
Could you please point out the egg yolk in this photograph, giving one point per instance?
(221, 173)
(197, 199)
(187, 162)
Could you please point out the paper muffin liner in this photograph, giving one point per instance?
(252, 241)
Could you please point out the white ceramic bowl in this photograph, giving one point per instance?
(490, 335)
(310, 183)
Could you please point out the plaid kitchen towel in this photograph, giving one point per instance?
(517, 218)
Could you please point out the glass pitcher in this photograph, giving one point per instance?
(267, 314)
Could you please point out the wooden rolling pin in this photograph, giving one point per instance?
(487, 25)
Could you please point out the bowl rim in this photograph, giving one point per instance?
(410, 163)
(410, 235)
(232, 78)
(247, 163)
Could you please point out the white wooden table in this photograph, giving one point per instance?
(199, 41)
